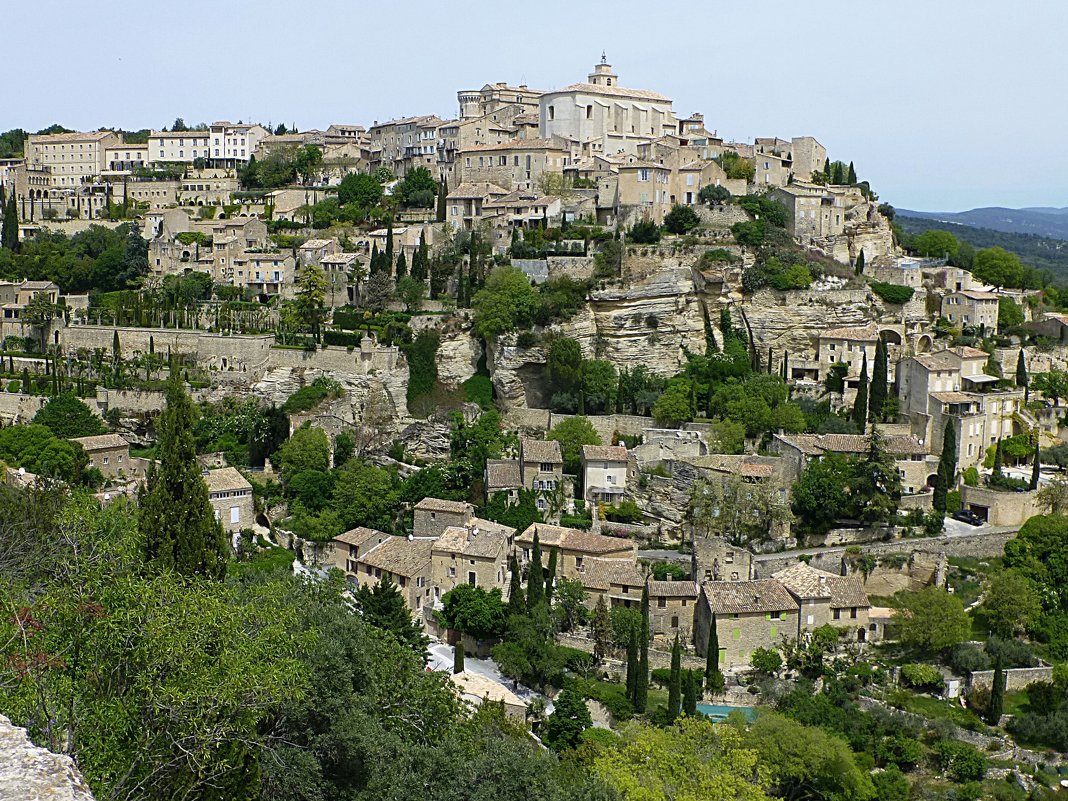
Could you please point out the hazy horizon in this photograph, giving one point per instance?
(930, 101)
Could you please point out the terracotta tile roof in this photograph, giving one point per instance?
(476, 688)
(764, 595)
(315, 244)
(847, 591)
(976, 294)
(805, 581)
(955, 397)
(672, 589)
(361, 536)
(540, 450)
(572, 539)
(860, 333)
(475, 191)
(604, 453)
(101, 442)
(486, 541)
(226, 479)
(601, 574)
(400, 556)
(439, 505)
(502, 474)
(818, 444)
(969, 353)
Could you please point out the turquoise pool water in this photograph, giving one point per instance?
(717, 712)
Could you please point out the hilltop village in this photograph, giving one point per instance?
(577, 390)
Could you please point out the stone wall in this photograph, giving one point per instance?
(1015, 678)
(577, 267)
(240, 353)
(1002, 508)
(17, 407)
(721, 215)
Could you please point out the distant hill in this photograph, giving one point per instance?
(1039, 220)
(1042, 252)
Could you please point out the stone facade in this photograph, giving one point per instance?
(1000, 508)
(231, 498)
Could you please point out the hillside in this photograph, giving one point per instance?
(1042, 252)
(1038, 220)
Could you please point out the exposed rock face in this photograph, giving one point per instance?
(29, 773)
(458, 356)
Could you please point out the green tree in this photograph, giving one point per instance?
(766, 661)
(458, 656)
(851, 175)
(310, 300)
(536, 576)
(307, 449)
(67, 417)
(1036, 467)
(176, 519)
(713, 193)
(1021, 373)
(674, 704)
(410, 291)
(9, 229)
(875, 488)
(633, 657)
(601, 629)
(946, 476)
(998, 458)
(997, 695)
(1040, 553)
(879, 383)
(859, 269)
(506, 302)
(712, 652)
(365, 495)
(402, 267)
(1010, 603)
(820, 496)
(644, 232)
(689, 695)
(475, 611)
(600, 383)
(681, 219)
(550, 576)
(517, 601)
(860, 405)
(935, 243)
(563, 365)
(930, 621)
(307, 162)
(384, 607)
(361, 189)
(443, 193)
(693, 760)
(572, 433)
(999, 267)
(418, 189)
(569, 719)
(641, 681)
(1009, 313)
(675, 404)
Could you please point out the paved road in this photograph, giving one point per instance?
(440, 657)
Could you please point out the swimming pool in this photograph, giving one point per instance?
(718, 712)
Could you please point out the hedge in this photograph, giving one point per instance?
(892, 293)
(343, 338)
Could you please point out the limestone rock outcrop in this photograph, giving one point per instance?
(30, 773)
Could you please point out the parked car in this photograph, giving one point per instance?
(971, 518)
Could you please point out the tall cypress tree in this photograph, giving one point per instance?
(947, 467)
(1036, 468)
(786, 365)
(851, 175)
(9, 230)
(860, 263)
(689, 695)
(998, 458)
(443, 192)
(176, 519)
(389, 244)
(517, 600)
(641, 682)
(632, 666)
(402, 266)
(373, 268)
(1021, 374)
(550, 576)
(997, 695)
(674, 705)
(712, 652)
(458, 656)
(860, 405)
(879, 382)
(536, 579)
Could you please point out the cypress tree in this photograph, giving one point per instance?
(389, 244)
(997, 695)
(879, 383)
(1036, 467)
(860, 405)
(851, 175)
(827, 169)
(947, 467)
(26, 381)
(443, 191)
(674, 704)
(860, 262)
(9, 230)
(771, 359)
(374, 259)
(712, 652)
(458, 656)
(402, 266)
(1021, 374)
(632, 666)
(536, 579)
(176, 519)
(550, 576)
(641, 681)
(517, 601)
(689, 695)
(116, 347)
(998, 458)
(786, 365)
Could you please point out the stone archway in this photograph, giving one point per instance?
(890, 336)
(923, 344)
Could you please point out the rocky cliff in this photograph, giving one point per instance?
(36, 774)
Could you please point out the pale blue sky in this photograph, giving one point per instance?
(941, 104)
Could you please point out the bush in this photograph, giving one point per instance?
(479, 389)
(681, 219)
(892, 293)
(716, 256)
(967, 658)
(644, 232)
(661, 676)
(342, 338)
(922, 677)
(761, 207)
(713, 194)
(960, 761)
(307, 398)
(750, 233)
(627, 512)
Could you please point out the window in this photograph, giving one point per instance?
(452, 572)
(552, 112)
(837, 614)
(589, 112)
(853, 612)
(674, 621)
(578, 562)
(774, 615)
(643, 175)
(471, 579)
(545, 467)
(661, 603)
(105, 460)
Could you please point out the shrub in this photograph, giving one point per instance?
(713, 194)
(345, 338)
(681, 219)
(479, 389)
(750, 233)
(968, 658)
(661, 676)
(14, 386)
(922, 677)
(717, 256)
(960, 761)
(527, 339)
(892, 293)
(644, 232)
(761, 207)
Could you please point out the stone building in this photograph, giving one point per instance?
(715, 559)
(604, 117)
(850, 345)
(999, 507)
(517, 164)
(911, 455)
(433, 515)
(814, 211)
(476, 103)
(604, 473)
(407, 561)
(476, 553)
(573, 547)
(672, 609)
(351, 545)
(748, 614)
(971, 307)
(232, 144)
(72, 159)
(178, 147)
(826, 599)
(108, 453)
(123, 158)
(231, 497)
